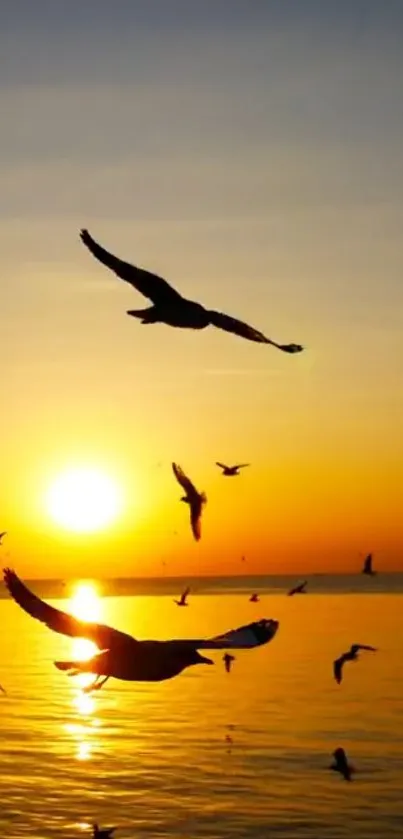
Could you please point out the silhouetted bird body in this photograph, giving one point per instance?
(102, 833)
(341, 764)
(195, 499)
(368, 569)
(169, 306)
(123, 657)
(254, 598)
(230, 471)
(298, 589)
(183, 599)
(228, 659)
(351, 655)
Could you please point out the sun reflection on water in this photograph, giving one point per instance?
(85, 604)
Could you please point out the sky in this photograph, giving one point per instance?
(251, 153)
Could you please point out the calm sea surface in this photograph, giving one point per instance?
(153, 760)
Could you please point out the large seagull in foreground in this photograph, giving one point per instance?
(169, 306)
(122, 656)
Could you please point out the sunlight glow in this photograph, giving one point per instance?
(83, 500)
(85, 604)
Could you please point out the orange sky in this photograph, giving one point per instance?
(259, 173)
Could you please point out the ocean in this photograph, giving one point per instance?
(154, 759)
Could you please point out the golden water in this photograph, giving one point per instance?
(152, 759)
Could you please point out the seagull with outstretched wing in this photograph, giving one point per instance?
(351, 655)
(168, 306)
(123, 657)
(183, 598)
(300, 589)
(229, 471)
(195, 499)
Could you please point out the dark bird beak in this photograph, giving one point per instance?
(203, 660)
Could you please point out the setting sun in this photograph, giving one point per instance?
(83, 500)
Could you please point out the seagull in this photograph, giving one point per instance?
(351, 655)
(367, 568)
(254, 598)
(2, 535)
(228, 659)
(298, 589)
(229, 471)
(229, 741)
(169, 306)
(102, 833)
(341, 764)
(123, 657)
(2, 690)
(195, 499)
(183, 600)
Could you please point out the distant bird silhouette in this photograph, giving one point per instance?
(367, 569)
(254, 598)
(228, 659)
(195, 499)
(229, 741)
(102, 833)
(298, 589)
(183, 599)
(123, 657)
(351, 655)
(169, 306)
(2, 535)
(229, 471)
(341, 764)
(3, 691)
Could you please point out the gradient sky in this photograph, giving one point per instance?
(251, 152)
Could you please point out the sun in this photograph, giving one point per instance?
(83, 500)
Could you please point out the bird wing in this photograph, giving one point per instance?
(103, 636)
(338, 668)
(3, 533)
(238, 327)
(185, 594)
(357, 647)
(183, 480)
(221, 465)
(244, 638)
(195, 518)
(151, 285)
(241, 465)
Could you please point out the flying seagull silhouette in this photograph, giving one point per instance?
(298, 589)
(351, 655)
(169, 306)
(123, 657)
(228, 659)
(102, 833)
(367, 568)
(341, 764)
(2, 535)
(229, 471)
(254, 598)
(183, 599)
(195, 499)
